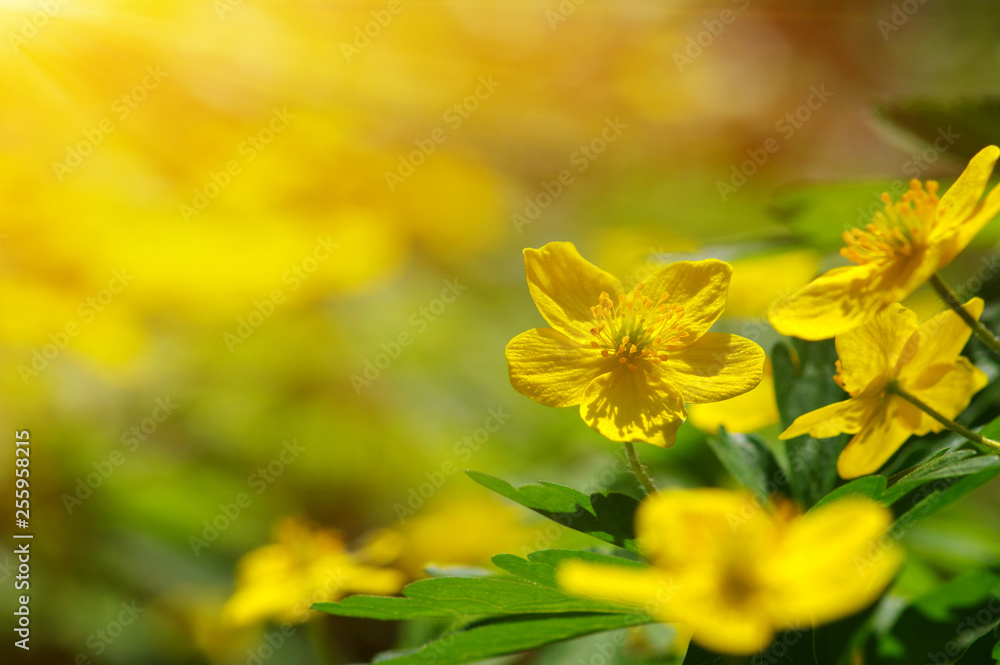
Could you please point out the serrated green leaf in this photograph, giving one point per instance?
(443, 597)
(749, 460)
(511, 635)
(940, 494)
(540, 567)
(872, 487)
(608, 517)
(800, 388)
(951, 464)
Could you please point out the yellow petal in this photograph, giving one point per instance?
(831, 563)
(551, 368)
(729, 630)
(881, 436)
(645, 588)
(960, 201)
(678, 529)
(871, 350)
(565, 286)
(832, 304)
(940, 339)
(947, 388)
(973, 225)
(715, 367)
(838, 418)
(700, 287)
(626, 405)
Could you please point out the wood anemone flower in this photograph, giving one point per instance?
(735, 573)
(882, 364)
(898, 251)
(629, 359)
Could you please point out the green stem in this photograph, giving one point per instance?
(951, 299)
(961, 430)
(638, 469)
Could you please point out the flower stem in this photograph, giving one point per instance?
(951, 299)
(638, 469)
(961, 430)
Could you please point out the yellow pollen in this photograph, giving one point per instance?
(634, 328)
(899, 230)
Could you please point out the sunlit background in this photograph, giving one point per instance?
(259, 261)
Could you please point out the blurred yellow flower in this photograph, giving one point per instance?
(735, 573)
(757, 280)
(902, 247)
(304, 565)
(629, 360)
(892, 353)
(744, 413)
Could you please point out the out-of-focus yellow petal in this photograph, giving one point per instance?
(938, 340)
(700, 287)
(632, 586)
(678, 528)
(880, 436)
(959, 202)
(717, 366)
(830, 305)
(636, 405)
(848, 417)
(551, 368)
(947, 388)
(832, 562)
(729, 630)
(871, 350)
(565, 286)
(744, 413)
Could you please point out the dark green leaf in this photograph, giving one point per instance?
(964, 127)
(511, 635)
(940, 494)
(872, 487)
(951, 464)
(750, 462)
(800, 388)
(608, 517)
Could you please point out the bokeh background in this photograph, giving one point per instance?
(271, 250)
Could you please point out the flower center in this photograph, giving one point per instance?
(900, 229)
(635, 329)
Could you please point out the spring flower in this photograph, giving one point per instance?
(887, 356)
(735, 573)
(629, 360)
(903, 246)
(304, 565)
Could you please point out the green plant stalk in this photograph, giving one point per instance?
(638, 470)
(961, 430)
(951, 299)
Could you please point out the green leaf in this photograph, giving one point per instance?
(940, 625)
(965, 127)
(872, 487)
(749, 460)
(942, 493)
(510, 635)
(466, 596)
(608, 517)
(540, 567)
(950, 464)
(800, 388)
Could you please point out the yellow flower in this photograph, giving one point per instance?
(303, 566)
(893, 352)
(735, 573)
(905, 243)
(744, 413)
(630, 360)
